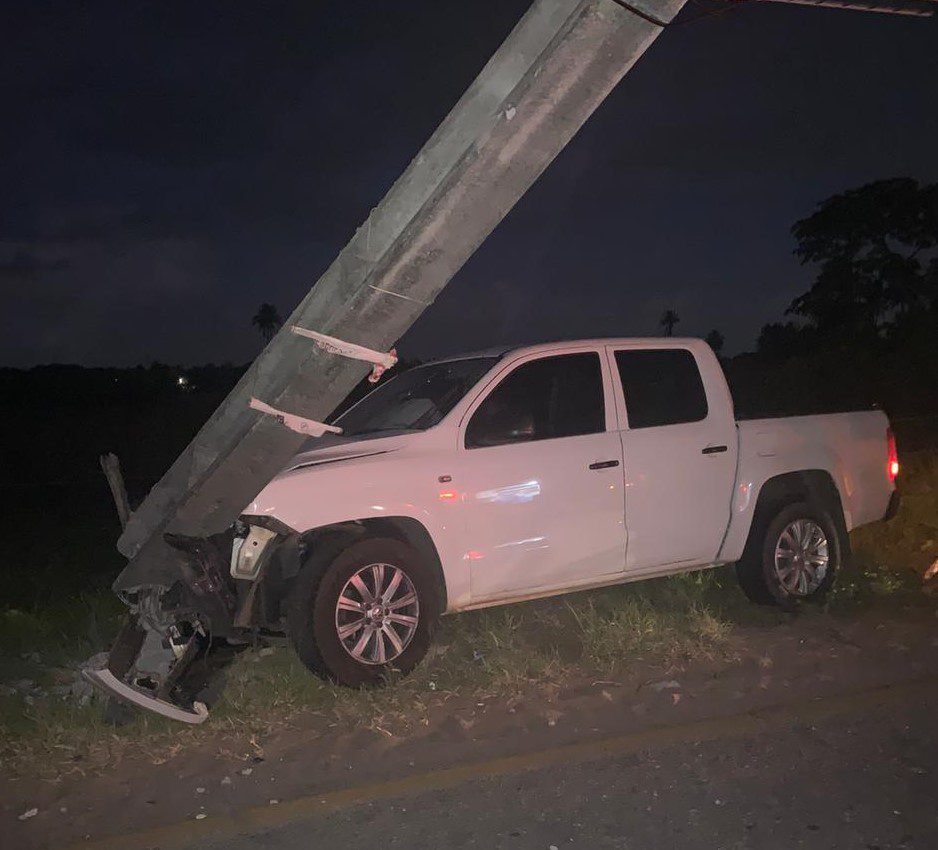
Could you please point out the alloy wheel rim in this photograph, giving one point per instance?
(377, 613)
(801, 557)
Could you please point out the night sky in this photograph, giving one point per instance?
(165, 167)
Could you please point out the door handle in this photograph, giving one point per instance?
(604, 464)
(713, 450)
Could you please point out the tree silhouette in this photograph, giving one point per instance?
(668, 320)
(875, 247)
(267, 320)
(715, 340)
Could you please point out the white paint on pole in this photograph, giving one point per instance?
(380, 361)
(299, 424)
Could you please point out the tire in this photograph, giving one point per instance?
(772, 570)
(313, 618)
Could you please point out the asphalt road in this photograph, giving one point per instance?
(865, 778)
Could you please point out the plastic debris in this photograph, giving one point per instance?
(226, 781)
(29, 813)
(247, 771)
(665, 685)
(201, 816)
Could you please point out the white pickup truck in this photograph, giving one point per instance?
(512, 475)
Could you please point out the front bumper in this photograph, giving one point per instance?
(104, 680)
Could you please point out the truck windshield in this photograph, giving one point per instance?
(415, 400)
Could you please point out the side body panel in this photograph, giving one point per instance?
(537, 515)
(851, 447)
(400, 483)
(678, 478)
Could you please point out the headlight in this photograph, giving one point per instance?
(249, 553)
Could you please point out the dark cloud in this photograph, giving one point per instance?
(24, 267)
(169, 166)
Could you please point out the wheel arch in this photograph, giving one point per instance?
(816, 486)
(318, 547)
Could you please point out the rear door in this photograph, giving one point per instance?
(540, 472)
(680, 447)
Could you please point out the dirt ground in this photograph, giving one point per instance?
(812, 655)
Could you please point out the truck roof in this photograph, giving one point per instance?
(533, 348)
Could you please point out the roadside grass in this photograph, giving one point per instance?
(506, 653)
(890, 558)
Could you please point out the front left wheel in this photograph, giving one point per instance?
(371, 612)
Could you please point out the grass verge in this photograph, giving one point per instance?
(500, 652)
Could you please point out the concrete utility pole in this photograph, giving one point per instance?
(554, 69)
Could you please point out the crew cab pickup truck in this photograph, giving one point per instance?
(516, 474)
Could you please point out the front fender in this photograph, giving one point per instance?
(316, 497)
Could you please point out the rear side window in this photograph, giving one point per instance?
(542, 400)
(661, 386)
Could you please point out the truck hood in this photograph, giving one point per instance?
(338, 448)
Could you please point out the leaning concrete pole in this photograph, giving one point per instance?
(554, 69)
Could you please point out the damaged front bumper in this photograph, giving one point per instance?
(107, 682)
(160, 662)
(146, 671)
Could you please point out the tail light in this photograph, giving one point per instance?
(892, 459)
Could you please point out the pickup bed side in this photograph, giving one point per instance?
(849, 448)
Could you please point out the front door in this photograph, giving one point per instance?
(540, 466)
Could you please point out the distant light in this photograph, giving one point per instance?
(182, 381)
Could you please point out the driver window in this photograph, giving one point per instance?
(542, 400)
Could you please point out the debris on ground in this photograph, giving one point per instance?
(930, 579)
(552, 716)
(29, 813)
(665, 685)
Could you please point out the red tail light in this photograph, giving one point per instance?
(892, 459)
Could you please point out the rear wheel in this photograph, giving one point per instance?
(795, 558)
(371, 612)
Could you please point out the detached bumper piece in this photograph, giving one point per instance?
(106, 681)
(142, 671)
